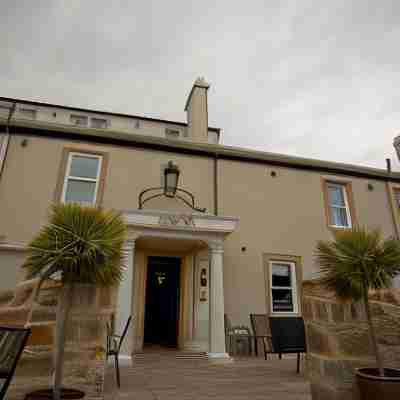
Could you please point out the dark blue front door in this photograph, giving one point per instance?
(162, 301)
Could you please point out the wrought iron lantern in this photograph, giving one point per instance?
(171, 177)
(170, 189)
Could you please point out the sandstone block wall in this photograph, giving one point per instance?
(338, 338)
(85, 360)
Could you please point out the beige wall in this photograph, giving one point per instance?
(11, 271)
(30, 175)
(283, 214)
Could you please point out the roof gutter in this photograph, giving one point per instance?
(6, 139)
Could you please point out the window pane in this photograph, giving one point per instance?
(25, 113)
(80, 192)
(339, 216)
(282, 300)
(281, 275)
(171, 133)
(336, 197)
(79, 120)
(84, 167)
(99, 123)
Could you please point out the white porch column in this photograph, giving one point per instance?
(217, 331)
(189, 282)
(125, 298)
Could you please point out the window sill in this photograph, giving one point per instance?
(339, 228)
(284, 314)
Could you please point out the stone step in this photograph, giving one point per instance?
(169, 355)
(41, 323)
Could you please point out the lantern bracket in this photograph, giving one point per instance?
(170, 189)
(185, 196)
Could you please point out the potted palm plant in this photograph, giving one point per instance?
(81, 245)
(357, 261)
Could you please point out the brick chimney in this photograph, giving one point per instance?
(197, 111)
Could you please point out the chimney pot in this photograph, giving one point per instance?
(388, 165)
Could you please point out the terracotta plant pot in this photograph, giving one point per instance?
(372, 386)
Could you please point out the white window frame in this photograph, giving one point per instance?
(343, 187)
(81, 179)
(293, 288)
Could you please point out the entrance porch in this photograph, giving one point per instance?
(179, 258)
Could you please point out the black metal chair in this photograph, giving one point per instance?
(288, 336)
(12, 343)
(260, 327)
(114, 343)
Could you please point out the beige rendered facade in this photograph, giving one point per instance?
(248, 253)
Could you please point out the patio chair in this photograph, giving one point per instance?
(228, 333)
(12, 343)
(241, 339)
(260, 326)
(288, 336)
(114, 343)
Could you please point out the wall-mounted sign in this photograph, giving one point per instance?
(177, 220)
(203, 277)
(203, 280)
(203, 295)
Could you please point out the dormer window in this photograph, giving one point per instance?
(99, 123)
(172, 133)
(79, 120)
(27, 113)
(4, 110)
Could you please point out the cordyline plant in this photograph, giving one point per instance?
(80, 245)
(357, 261)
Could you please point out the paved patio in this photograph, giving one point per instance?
(164, 377)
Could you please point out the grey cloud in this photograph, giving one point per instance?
(311, 78)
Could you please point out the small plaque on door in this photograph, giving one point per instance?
(161, 277)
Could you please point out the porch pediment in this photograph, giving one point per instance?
(178, 221)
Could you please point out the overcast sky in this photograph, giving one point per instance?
(310, 78)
